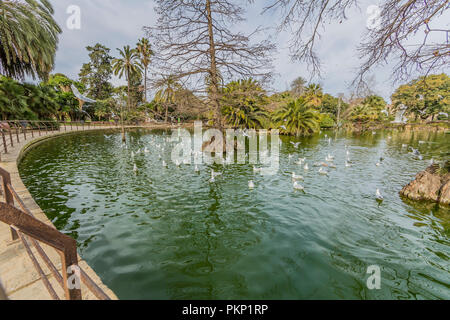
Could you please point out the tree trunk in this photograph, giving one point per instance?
(123, 126)
(128, 96)
(213, 67)
(145, 84)
(167, 112)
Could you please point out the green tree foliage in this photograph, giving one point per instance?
(28, 38)
(369, 110)
(313, 95)
(136, 89)
(127, 65)
(425, 97)
(145, 53)
(375, 102)
(41, 100)
(13, 101)
(28, 101)
(96, 74)
(297, 118)
(68, 104)
(326, 121)
(166, 95)
(330, 105)
(243, 104)
(60, 81)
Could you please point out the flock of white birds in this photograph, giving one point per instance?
(296, 178)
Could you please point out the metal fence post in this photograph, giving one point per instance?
(9, 198)
(69, 258)
(10, 137)
(4, 141)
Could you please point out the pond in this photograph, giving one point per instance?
(168, 233)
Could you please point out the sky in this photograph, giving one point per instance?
(115, 23)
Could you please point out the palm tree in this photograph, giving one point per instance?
(28, 38)
(166, 95)
(359, 113)
(13, 101)
(127, 65)
(145, 52)
(314, 95)
(242, 104)
(297, 118)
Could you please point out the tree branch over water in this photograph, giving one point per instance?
(195, 41)
(406, 34)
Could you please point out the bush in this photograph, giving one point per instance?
(327, 121)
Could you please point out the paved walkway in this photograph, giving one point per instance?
(18, 275)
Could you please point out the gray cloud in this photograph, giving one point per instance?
(116, 23)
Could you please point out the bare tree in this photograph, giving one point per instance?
(405, 34)
(194, 41)
(401, 24)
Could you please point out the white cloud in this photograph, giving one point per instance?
(116, 23)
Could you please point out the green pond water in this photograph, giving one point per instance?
(168, 233)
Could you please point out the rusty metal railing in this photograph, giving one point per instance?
(28, 229)
(2, 293)
(14, 131)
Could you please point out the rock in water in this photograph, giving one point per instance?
(445, 192)
(429, 185)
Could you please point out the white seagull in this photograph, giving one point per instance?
(379, 196)
(296, 177)
(257, 170)
(298, 186)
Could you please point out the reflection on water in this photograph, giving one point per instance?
(170, 234)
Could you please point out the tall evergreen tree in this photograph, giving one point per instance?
(96, 74)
